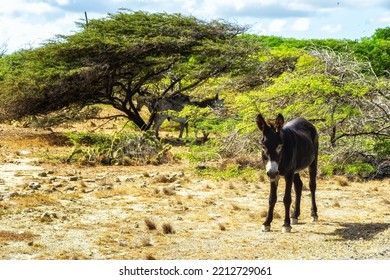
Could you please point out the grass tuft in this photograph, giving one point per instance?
(151, 225)
(168, 229)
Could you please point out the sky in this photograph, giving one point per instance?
(28, 23)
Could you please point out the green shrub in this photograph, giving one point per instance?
(361, 169)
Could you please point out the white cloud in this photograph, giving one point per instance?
(331, 29)
(385, 18)
(277, 25)
(301, 24)
(63, 2)
(25, 7)
(258, 28)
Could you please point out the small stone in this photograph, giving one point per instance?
(201, 167)
(31, 243)
(176, 185)
(45, 217)
(34, 185)
(73, 178)
(70, 188)
(42, 174)
(133, 178)
(90, 180)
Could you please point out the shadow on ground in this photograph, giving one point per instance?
(356, 231)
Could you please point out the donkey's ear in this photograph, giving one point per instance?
(261, 122)
(279, 122)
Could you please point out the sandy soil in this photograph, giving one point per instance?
(50, 210)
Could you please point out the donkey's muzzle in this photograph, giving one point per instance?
(272, 174)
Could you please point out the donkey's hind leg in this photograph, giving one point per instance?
(157, 123)
(313, 186)
(298, 193)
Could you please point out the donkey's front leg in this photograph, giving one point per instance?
(287, 203)
(272, 201)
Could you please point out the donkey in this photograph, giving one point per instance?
(286, 150)
(176, 103)
(173, 103)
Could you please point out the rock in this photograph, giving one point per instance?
(48, 217)
(70, 188)
(91, 180)
(106, 188)
(201, 166)
(133, 178)
(73, 178)
(45, 217)
(176, 185)
(42, 174)
(34, 185)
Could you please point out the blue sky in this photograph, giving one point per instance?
(27, 23)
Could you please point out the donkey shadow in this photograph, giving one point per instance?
(358, 231)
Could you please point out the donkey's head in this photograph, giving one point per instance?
(271, 143)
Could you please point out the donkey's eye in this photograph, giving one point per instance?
(279, 148)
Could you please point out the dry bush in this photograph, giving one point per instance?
(150, 258)
(168, 229)
(343, 182)
(222, 227)
(151, 225)
(169, 191)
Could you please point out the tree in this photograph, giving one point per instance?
(113, 59)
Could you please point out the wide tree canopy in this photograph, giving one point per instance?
(113, 59)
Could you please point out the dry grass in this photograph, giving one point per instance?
(16, 236)
(222, 227)
(35, 200)
(150, 224)
(341, 181)
(168, 228)
(169, 191)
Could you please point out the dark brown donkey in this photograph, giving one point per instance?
(288, 149)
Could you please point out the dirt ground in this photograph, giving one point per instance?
(50, 210)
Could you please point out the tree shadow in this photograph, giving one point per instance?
(357, 231)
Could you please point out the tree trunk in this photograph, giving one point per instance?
(333, 137)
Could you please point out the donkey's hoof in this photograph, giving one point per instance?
(286, 229)
(266, 228)
(314, 218)
(294, 221)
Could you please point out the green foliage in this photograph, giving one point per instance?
(361, 169)
(230, 171)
